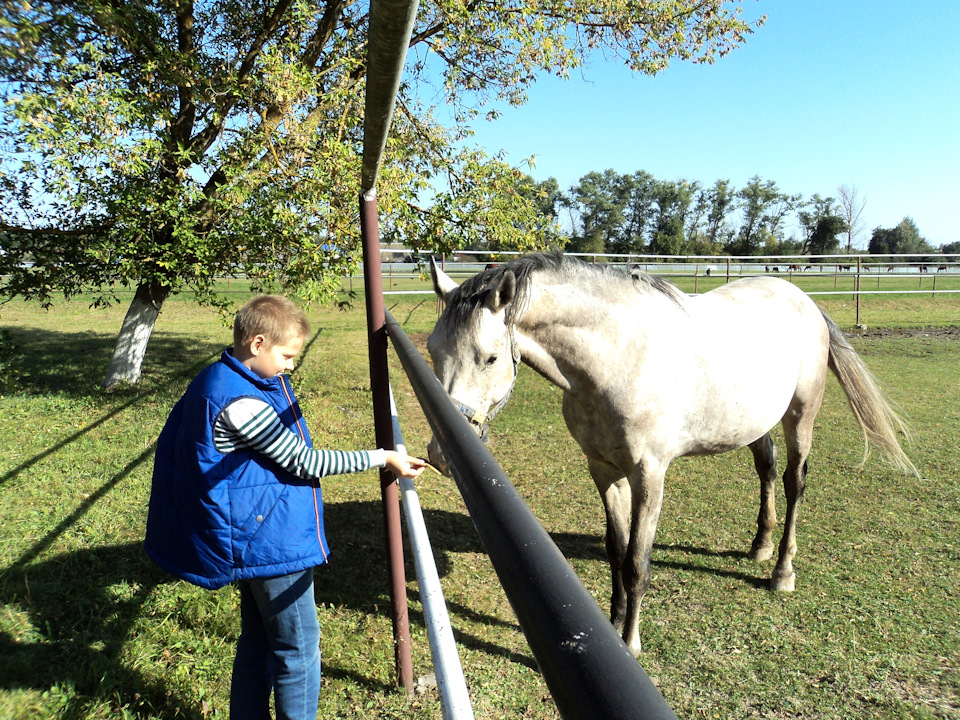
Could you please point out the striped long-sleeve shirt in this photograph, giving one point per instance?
(252, 423)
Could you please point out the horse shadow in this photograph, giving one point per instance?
(356, 530)
(591, 547)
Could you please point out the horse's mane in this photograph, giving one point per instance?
(472, 292)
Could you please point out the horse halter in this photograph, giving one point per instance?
(478, 418)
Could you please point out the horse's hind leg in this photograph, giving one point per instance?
(765, 461)
(798, 434)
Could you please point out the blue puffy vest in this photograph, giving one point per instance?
(216, 518)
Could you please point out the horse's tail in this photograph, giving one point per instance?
(881, 424)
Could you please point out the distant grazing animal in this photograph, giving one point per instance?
(942, 268)
(650, 374)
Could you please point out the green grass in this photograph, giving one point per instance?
(90, 629)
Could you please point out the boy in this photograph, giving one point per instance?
(236, 498)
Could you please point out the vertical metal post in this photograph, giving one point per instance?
(859, 269)
(383, 426)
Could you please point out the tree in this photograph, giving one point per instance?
(950, 248)
(824, 239)
(672, 204)
(722, 199)
(639, 214)
(852, 206)
(544, 198)
(904, 239)
(761, 204)
(819, 226)
(600, 201)
(161, 145)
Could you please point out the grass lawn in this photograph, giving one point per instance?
(90, 629)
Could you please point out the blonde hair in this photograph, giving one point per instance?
(275, 317)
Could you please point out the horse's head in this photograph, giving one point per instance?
(473, 349)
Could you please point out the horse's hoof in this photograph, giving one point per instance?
(784, 583)
(634, 647)
(761, 553)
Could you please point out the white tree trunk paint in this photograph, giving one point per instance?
(132, 341)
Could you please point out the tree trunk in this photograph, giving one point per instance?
(134, 334)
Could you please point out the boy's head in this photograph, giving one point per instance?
(268, 332)
(275, 317)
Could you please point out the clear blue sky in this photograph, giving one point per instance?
(828, 92)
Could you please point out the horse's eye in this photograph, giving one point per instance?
(491, 360)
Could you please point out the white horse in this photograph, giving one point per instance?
(650, 374)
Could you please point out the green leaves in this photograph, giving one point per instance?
(172, 143)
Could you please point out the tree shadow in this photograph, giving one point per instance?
(80, 631)
(74, 363)
(81, 626)
(61, 362)
(59, 366)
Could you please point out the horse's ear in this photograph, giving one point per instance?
(504, 293)
(443, 285)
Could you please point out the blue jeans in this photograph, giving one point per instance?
(278, 649)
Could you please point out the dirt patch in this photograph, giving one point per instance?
(945, 332)
(419, 341)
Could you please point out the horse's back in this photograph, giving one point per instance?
(769, 306)
(764, 349)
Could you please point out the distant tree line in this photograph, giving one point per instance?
(609, 212)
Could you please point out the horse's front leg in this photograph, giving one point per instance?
(646, 484)
(615, 492)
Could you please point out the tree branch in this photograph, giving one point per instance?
(5, 227)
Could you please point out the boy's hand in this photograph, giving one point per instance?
(405, 465)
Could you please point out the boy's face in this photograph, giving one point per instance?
(274, 360)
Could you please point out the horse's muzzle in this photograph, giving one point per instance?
(436, 457)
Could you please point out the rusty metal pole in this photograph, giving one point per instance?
(390, 28)
(383, 427)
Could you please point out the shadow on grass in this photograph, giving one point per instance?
(59, 364)
(356, 576)
(74, 364)
(82, 627)
(81, 630)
